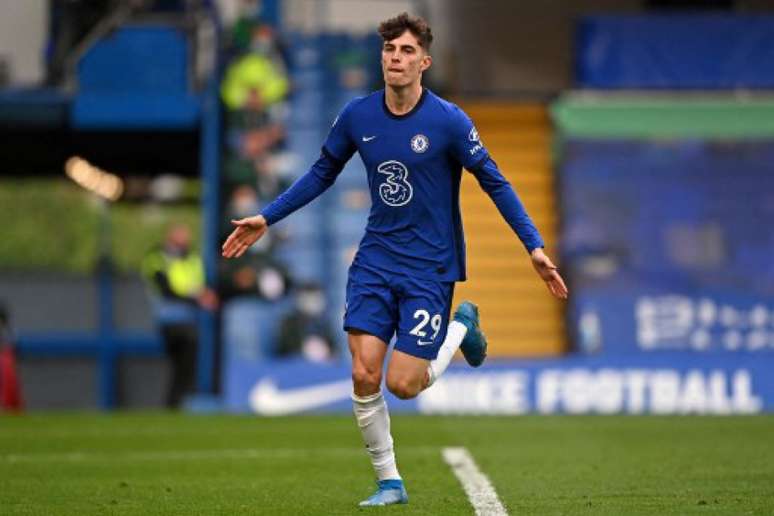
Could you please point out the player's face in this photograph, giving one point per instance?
(403, 60)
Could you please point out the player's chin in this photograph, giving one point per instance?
(395, 79)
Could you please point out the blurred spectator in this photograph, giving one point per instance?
(249, 33)
(256, 80)
(268, 183)
(175, 274)
(257, 142)
(257, 275)
(260, 276)
(10, 390)
(304, 331)
(245, 202)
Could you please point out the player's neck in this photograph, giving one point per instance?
(401, 100)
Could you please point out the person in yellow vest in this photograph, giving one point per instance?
(254, 81)
(175, 274)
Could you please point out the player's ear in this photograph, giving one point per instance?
(427, 60)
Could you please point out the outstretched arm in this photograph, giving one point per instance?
(307, 188)
(501, 192)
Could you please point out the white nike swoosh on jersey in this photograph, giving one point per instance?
(368, 138)
(266, 398)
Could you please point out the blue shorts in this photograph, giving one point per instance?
(384, 304)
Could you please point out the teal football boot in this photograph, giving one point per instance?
(473, 346)
(389, 492)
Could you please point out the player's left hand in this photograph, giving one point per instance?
(549, 273)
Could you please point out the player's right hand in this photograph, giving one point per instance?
(246, 233)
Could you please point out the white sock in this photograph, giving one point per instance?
(374, 422)
(451, 344)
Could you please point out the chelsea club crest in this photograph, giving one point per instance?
(420, 143)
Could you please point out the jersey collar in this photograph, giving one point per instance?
(405, 115)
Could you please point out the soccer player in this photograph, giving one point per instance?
(414, 146)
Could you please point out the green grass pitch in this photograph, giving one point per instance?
(148, 464)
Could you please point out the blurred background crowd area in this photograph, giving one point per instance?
(638, 133)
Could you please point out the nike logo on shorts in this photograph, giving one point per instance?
(368, 138)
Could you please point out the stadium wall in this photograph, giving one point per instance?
(67, 376)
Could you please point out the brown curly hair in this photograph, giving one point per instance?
(394, 27)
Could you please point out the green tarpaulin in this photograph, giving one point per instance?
(631, 116)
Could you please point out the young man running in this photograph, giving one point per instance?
(414, 146)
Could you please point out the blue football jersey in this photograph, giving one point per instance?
(414, 164)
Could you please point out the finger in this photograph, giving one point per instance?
(241, 250)
(559, 289)
(227, 244)
(233, 243)
(230, 245)
(239, 222)
(231, 238)
(560, 282)
(553, 290)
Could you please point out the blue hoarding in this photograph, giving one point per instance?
(663, 383)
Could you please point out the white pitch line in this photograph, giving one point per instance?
(194, 454)
(477, 486)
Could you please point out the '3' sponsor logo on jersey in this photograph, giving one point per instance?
(395, 190)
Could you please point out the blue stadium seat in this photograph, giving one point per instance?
(137, 77)
(250, 328)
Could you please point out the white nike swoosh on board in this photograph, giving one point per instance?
(267, 399)
(368, 138)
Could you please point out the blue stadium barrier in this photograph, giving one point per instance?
(91, 111)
